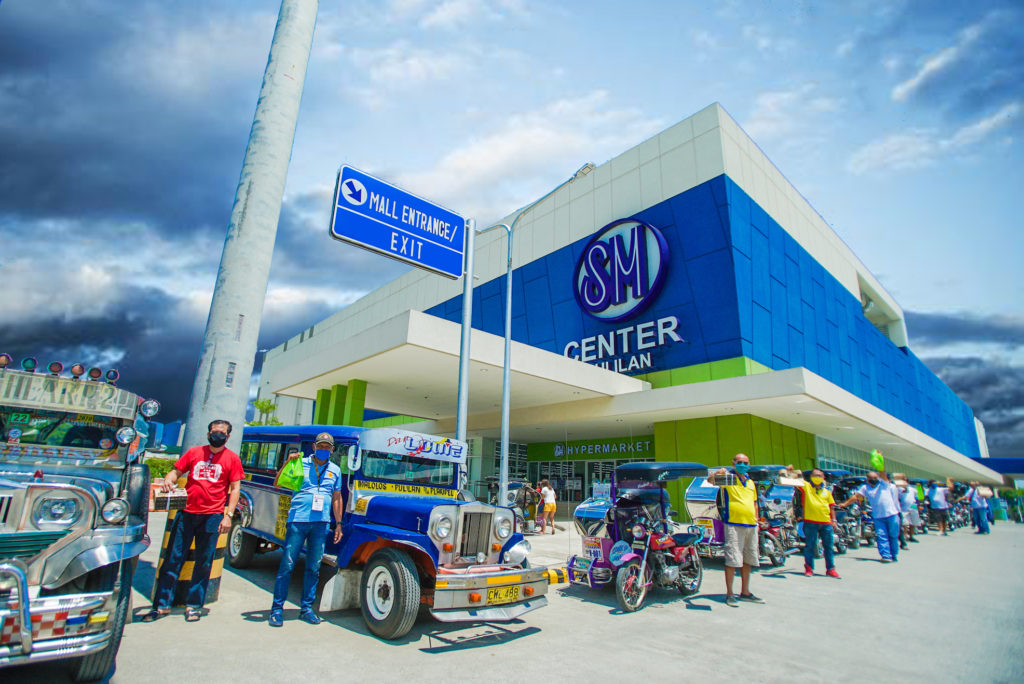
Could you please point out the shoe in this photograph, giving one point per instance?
(154, 615)
(831, 572)
(808, 571)
(915, 540)
(193, 614)
(730, 600)
(750, 598)
(903, 546)
(945, 534)
(310, 617)
(887, 560)
(276, 619)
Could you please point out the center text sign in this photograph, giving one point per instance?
(382, 218)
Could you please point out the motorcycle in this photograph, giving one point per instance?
(775, 540)
(631, 540)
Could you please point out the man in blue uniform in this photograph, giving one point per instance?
(308, 521)
(885, 512)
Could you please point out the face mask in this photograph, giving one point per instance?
(872, 483)
(741, 468)
(217, 439)
(322, 454)
(815, 480)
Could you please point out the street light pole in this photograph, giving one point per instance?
(505, 384)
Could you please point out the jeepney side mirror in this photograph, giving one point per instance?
(672, 513)
(354, 458)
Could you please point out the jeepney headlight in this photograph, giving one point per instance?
(518, 553)
(503, 528)
(442, 528)
(149, 408)
(62, 511)
(114, 511)
(639, 531)
(126, 434)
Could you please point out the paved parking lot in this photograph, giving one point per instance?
(951, 610)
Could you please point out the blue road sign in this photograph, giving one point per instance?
(379, 217)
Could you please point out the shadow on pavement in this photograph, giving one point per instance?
(479, 635)
(656, 599)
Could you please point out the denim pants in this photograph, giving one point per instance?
(313, 535)
(812, 531)
(887, 536)
(201, 527)
(980, 516)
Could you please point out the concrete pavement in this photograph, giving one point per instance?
(952, 610)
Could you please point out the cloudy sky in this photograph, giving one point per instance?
(123, 126)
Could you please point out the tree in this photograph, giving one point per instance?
(265, 409)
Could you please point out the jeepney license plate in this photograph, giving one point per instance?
(709, 527)
(502, 595)
(582, 563)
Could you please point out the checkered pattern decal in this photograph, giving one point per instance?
(47, 626)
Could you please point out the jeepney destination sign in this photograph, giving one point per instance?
(29, 390)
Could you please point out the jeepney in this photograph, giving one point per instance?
(410, 540)
(74, 504)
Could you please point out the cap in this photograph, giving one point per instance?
(324, 437)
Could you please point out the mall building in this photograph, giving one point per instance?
(682, 301)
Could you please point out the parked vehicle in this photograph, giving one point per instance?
(74, 504)
(919, 484)
(520, 497)
(859, 514)
(631, 539)
(410, 541)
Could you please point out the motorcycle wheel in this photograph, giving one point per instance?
(770, 550)
(691, 577)
(840, 546)
(630, 588)
(818, 549)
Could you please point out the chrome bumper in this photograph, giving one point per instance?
(47, 639)
(453, 595)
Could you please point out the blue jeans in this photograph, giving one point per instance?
(980, 516)
(812, 531)
(887, 536)
(313, 535)
(201, 527)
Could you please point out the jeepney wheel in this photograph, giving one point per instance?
(389, 594)
(99, 665)
(691, 576)
(241, 545)
(630, 587)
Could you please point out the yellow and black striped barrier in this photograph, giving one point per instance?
(558, 575)
(181, 588)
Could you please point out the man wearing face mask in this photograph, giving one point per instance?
(815, 506)
(214, 482)
(739, 513)
(308, 521)
(885, 512)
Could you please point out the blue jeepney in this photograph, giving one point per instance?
(410, 539)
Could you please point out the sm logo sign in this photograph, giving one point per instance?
(621, 270)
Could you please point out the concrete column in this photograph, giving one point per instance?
(322, 408)
(355, 403)
(221, 388)
(336, 412)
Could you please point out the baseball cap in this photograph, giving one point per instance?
(324, 437)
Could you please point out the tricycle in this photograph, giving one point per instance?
(630, 539)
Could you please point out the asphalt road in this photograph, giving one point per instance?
(951, 610)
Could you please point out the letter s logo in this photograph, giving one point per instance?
(621, 270)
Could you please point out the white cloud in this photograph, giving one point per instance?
(765, 40)
(939, 62)
(453, 14)
(845, 48)
(58, 292)
(918, 148)
(525, 155)
(779, 113)
(400, 65)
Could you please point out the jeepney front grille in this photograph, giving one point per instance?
(27, 544)
(476, 534)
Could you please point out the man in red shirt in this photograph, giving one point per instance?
(214, 477)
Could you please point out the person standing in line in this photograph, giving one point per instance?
(739, 513)
(214, 483)
(979, 508)
(885, 512)
(815, 506)
(309, 520)
(548, 512)
(908, 504)
(938, 500)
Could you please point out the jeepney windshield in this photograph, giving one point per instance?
(380, 465)
(40, 427)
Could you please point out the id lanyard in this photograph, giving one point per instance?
(318, 497)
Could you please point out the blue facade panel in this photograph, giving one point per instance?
(736, 283)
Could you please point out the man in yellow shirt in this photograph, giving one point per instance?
(739, 513)
(816, 507)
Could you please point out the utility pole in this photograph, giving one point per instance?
(221, 387)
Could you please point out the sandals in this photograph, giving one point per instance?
(154, 615)
(193, 614)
